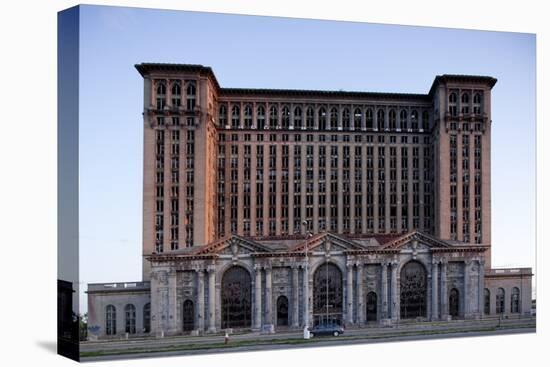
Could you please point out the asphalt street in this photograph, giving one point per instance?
(187, 345)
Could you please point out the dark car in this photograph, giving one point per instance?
(326, 329)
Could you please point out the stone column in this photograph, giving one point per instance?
(172, 301)
(211, 299)
(384, 291)
(466, 299)
(200, 299)
(295, 300)
(258, 297)
(444, 306)
(481, 286)
(394, 295)
(349, 297)
(435, 303)
(360, 304)
(268, 297)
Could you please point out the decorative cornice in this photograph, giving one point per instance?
(415, 236)
(445, 78)
(321, 238)
(146, 69)
(175, 257)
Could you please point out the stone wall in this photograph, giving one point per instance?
(118, 295)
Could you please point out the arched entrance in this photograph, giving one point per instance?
(413, 290)
(282, 311)
(236, 298)
(327, 295)
(372, 306)
(454, 302)
(188, 315)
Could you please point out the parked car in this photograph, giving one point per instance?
(326, 329)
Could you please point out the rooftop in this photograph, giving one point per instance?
(146, 69)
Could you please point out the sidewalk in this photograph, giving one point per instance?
(214, 342)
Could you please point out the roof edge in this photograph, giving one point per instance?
(146, 68)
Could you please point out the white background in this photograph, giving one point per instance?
(28, 181)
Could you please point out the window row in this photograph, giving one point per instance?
(176, 95)
(129, 319)
(467, 104)
(515, 301)
(236, 116)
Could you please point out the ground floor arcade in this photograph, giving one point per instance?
(238, 283)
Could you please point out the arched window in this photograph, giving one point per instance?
(514, 307)
(176, 94)
(130, 319)
(414, 120)
(247, 116)
(465, 104)
(327, 294)
(223, 116)
(236, 298)
(297, 117)
(452, 104)
(285, 120)
(346, 123)
(403, 120)
(500, 301)
(310, 119)
(260, 117)
(110, 320)
(477, 103)
(413, 290)
(191, 95)
(147, 318)
(322, 119)
(372, 306)
(454, 302)
(333, 119)
(282, 311)
(381, 119)
(161, 95)
(273, 118)
(357, 119)
(393, 119)
(486, 302)
(188, 317)
(235, 117)
(369, 116)
(425, 120)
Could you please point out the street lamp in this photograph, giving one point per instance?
(305, 223)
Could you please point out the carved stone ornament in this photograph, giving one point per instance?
(163, 277)
(234, 248)
(327, 247)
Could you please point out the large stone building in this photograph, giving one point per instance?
(268, 209)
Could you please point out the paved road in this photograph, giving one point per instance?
(151, 347)
(320, 343)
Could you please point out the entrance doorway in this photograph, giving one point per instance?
(372, 306)
(282, 311)
(236, 298)
(188, 315)
(327, 295)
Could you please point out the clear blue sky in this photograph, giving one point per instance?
(265, 52)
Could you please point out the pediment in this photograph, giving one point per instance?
(233, 245)
(327, 242)
(415, 241)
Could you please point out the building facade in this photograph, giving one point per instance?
(268, 209)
